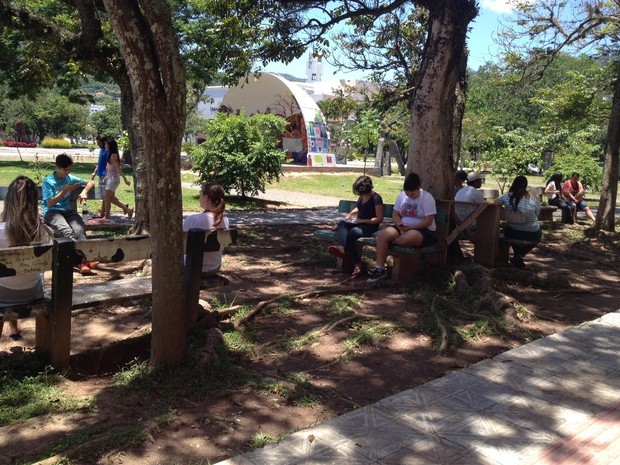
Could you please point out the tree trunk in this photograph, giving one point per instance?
(379, 154)
(431, 146)
(140, 184)
(157, 80)
(605, 216)
(395, 153)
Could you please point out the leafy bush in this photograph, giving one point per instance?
(48, 143)
(590, 175)
(12, 143)
(240, 152)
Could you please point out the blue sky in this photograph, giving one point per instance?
(480, 42)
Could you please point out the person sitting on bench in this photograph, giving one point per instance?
(369, 211)
(518, 199)
(414, 223)
(21, 226)
(57, 210)
(213, 205)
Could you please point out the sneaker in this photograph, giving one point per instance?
(376, 275)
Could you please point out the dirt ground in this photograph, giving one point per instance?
(316, 356)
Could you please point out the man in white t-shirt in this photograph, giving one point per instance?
(469, 193)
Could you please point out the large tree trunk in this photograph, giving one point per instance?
(605, 216)
(157, 80)
(141, 185)
(431, 146)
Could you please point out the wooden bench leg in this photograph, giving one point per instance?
(405, 266)
(56, 340)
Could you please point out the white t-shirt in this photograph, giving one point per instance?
(467, 194)
(23, 288)
(551, 186)
(212, 261)
(413, 211)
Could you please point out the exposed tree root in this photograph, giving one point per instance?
(357, 316)
(301, 295)
(443, 330)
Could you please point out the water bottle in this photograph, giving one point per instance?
(85, 215)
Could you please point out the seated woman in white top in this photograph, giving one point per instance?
(518, 199)
(21, 225)
(556, 198)
(212, 217)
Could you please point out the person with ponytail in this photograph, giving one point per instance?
(212, 217)
(518, 199)
(21, 225)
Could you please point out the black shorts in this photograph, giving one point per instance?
(428, 237)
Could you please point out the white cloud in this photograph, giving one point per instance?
(498, 6)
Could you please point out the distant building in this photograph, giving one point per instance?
(95, 108)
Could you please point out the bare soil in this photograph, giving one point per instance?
(306, 359)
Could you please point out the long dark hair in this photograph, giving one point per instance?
(112, 149)
(557, 180)
(518, 190)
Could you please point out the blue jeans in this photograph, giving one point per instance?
(349, 233)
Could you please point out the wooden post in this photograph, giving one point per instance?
(487, 236)
(193, 269)
(57, 340)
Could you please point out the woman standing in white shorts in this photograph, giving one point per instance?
(112, 180)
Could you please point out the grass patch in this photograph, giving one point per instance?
(31, 390)
(260, 440)
(370, 333)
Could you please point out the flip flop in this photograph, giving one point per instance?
(16, 337)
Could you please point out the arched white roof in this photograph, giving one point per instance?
(269, 92)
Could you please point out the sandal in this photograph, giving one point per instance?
(357, 271)
(335, 251)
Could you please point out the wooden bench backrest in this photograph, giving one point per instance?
(29, 259)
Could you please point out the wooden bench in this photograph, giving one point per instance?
(405, 260)
(546, 211)
(53, 312)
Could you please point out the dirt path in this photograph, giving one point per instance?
(300, 361)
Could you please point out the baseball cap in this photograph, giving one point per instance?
(473, 176)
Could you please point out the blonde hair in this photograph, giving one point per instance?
(21, 213)
(215, 193)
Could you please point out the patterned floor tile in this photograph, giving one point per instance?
(496, 439)
(426, 451)
(588, 395)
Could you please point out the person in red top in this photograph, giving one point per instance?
(573, 193)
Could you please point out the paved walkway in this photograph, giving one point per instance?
(553, 401)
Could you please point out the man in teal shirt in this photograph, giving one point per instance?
(57, 211)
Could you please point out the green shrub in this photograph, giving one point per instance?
(48, 143)
(240, 152)
(590, 175)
